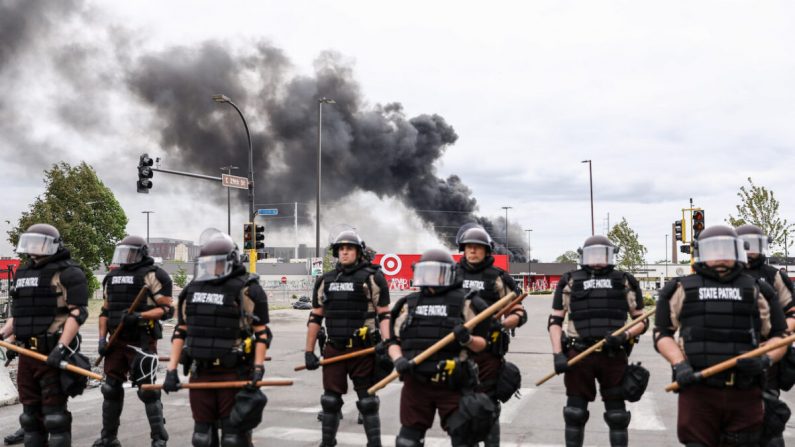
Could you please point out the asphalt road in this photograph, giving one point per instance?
(290, 417)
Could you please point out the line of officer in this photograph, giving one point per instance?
(136, 270)
(221, 335)
(446, 379)
(597, 298)
(720, 312)
(351, 298)
(478, 273)
(782, 374)
(49, 302)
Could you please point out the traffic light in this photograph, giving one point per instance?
(685, 249)
(678, 230)
(144, 174)
(698, 223)
(259, 241)
(248, 236)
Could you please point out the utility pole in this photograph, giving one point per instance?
(506, 208)
(590, 181)
(147, 224)
(529, 259)
(674, 256)
(228, 201)
(295, 227)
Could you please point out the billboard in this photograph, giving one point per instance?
(397, 267)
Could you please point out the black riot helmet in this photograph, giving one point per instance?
(719, 243)
(474, 235)
(347, 237)
(130, 250)
(218, 257)
(435, 268)
(758, 241)
(40, 240)
(598, 250)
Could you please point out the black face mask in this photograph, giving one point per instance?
(721, 274)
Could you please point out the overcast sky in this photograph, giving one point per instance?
(670, 99)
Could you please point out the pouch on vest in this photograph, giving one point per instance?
(635, 381)
(249, 405)
(473, 419)
(777, 413)
(498, 342)
(786, 370)
(74, 384)
(509, 380)
(456, 374)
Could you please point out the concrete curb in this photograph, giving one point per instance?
(8, 392)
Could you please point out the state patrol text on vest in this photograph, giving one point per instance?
(715, 293)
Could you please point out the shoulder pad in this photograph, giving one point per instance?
(669, 288)
(252, 277)
(632, 280)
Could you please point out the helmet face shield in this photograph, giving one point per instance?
(757, 243)
(212, 267)
(598, 255)
(721, 248)
(36, 244)
(433, 274)
(127, 254)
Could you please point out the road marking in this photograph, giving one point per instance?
(644, 414)
(511, 408)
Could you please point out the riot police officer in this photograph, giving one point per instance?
(478, 273)
(50, 299)
(597, 298)
(720, 312)
(351, 298)
(137, 343)
(440, 383)
(221, 335)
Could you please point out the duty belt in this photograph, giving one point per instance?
(230, 360)
(582, 344)
(367, 339)
(42, 343)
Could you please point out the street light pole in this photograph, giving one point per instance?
(320, 103)
(666, 257)
(529, 259)
(228, 201)
(506, 208)
(147, 224)
(590, 181)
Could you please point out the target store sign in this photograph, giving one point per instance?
(398, 272)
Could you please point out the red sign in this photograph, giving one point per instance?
(5, 264)
(284, 280)
(398, 272)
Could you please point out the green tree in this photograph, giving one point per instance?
(569, 257)
(83, 209)
(180, 277)
(631, 254)
(759, 206)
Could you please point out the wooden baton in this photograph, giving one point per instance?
(507, 308)
(732, 362)
(43, 358)
(219, 385)
(446, 340)
(576, 359)
(340, 358)
(166, 358)
(138, 298)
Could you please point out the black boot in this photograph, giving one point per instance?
(368, 408)
(112, 406)
(154, 413)
(331, 404)
(15, 438)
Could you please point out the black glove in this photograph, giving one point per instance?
(381, 347)
(131, 319)
(496, 325)
(56, 356)
(561, 361)
(172, 381)
(615, 341)
(102, 347)
(311, 361)
(753, 366)
(10, 355)
(256, 375)
(462, 335)
(403, 365)
(683, 374)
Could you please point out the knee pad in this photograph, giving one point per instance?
(575, 416)
(57, 419)
(331, 402)
(148, 396)
(368, 405)
(202, 435)
(29, 419)
(112, 389)
(617, 419)
(741, 438)
(410, 437)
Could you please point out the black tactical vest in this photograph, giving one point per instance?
(484, 281)
(122, 287)
(766, 272)
(213, 313)
(598, 303)
(718, 320)
(431, 317)
(345, 303)
(35, 302)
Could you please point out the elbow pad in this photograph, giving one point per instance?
(384, 316)
(268, 337)
(179, 334)
(645, 323)
(658, 334)
(168, 311)
(82, 314)
(104, 313)
(315, 318)
(522, 314)
(554, 320)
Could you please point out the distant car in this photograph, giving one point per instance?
(304, 299)
(304, 305)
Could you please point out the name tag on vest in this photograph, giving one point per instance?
(597, 284)
(720, 293)
(340, 287)
(438, 310)
(122, 280)
(208, 298)
(27, 282)
(473, 284)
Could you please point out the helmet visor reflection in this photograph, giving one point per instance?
(127, 254)
(598, 255)
(36, 244)
(721, 248)
(758, 244)
(212, 267)
(433, 274)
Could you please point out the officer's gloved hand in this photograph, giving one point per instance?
(172, 381)
(615, 341)
(102, 347)
(132, 318)
(462, 335)
(753, 366)
(683, 374)
(403, 365)
(381, 347)
(561, 361)
(56, 356)
(256, 375)
(311, 361)
(10, 355)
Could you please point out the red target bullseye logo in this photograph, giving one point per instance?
(391, 264)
